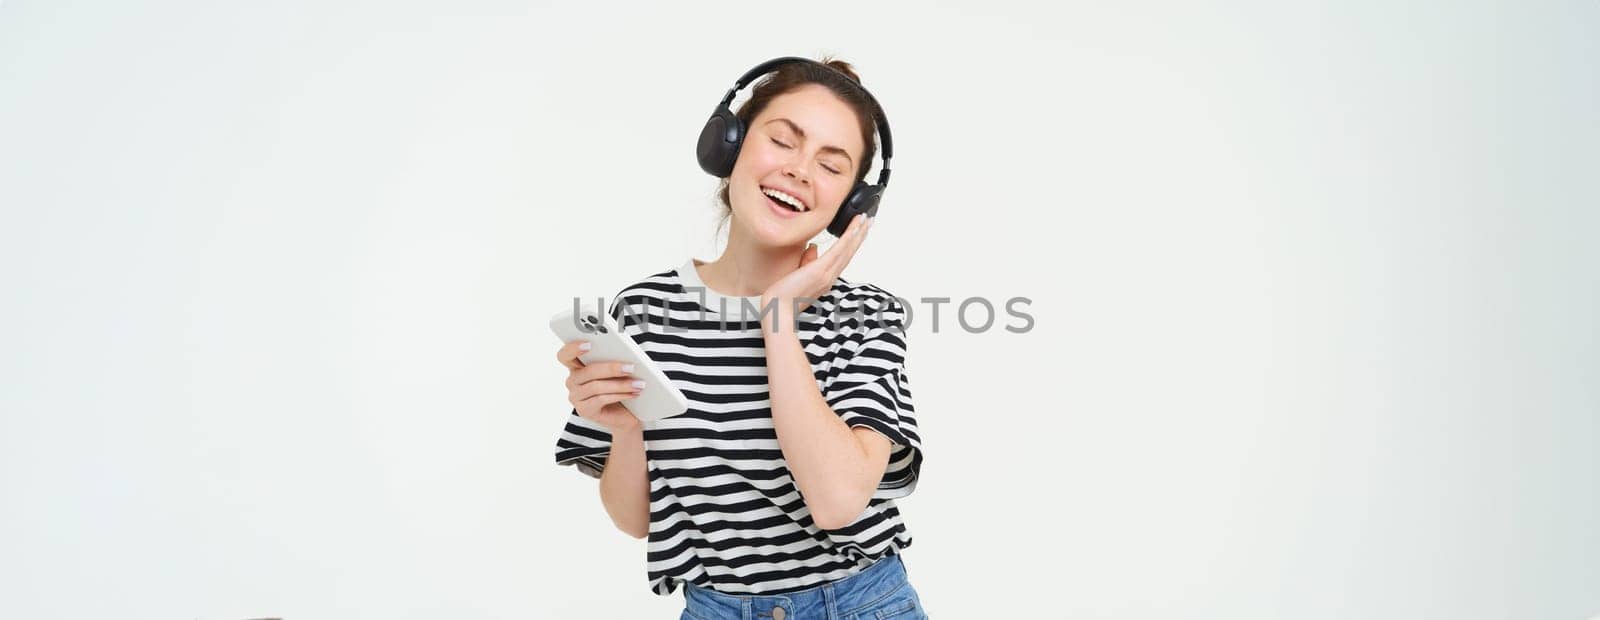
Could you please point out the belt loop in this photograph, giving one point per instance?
(830, 602)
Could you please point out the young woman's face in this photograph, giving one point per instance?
(805, 144)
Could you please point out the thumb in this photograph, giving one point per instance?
(809, 255)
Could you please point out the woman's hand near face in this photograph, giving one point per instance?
(815, 275)
(597, 390)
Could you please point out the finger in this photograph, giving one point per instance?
(568, 354)
(846, 248)
(809, 255)
(866, 225)
(851, 232)
(600, 370)
(607, 386)
(597, 402)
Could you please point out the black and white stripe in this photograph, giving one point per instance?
(724, 510)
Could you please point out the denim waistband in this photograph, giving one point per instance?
(874, 582)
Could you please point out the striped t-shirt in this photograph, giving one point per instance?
(724, 510)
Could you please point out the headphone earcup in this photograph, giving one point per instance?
(862, 199)
(719, 143)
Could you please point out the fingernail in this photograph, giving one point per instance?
(638, 384)
(585, 346)
(627, 368)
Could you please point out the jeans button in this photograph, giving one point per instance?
(777, 613)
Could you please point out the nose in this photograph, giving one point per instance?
(793, 171)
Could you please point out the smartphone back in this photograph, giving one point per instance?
(659, 398)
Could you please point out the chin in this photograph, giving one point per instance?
(774, 234)
(766, 230)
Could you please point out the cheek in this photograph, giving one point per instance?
(835, 192)
(757, 156)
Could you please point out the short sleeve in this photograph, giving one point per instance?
(584, 444)
(871, 388)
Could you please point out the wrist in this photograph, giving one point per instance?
(785, 315)
(771, 300)
(632, 427)
(779, 323)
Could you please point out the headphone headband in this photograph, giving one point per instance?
(880, 122)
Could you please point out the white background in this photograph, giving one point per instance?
(1315, 289)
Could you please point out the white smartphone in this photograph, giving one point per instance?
(659, 399)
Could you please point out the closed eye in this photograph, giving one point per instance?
(775, 141)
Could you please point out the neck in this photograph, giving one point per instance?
(747, 269)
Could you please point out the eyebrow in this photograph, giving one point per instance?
(802, 133)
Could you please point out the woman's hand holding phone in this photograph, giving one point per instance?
(597, 390)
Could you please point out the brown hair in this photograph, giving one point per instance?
(841, 80)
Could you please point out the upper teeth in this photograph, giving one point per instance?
(784, 198)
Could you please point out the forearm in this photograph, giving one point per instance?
(625, 485)
(829, 465)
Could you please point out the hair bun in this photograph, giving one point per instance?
(842, 67)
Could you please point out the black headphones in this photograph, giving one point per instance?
(724, 133)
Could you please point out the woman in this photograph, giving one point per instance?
(772, 496)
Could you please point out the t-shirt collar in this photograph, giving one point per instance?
(713, 301)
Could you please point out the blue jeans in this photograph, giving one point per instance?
(880, 591)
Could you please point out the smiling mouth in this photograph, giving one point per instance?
(782, 205)
(766, 192)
